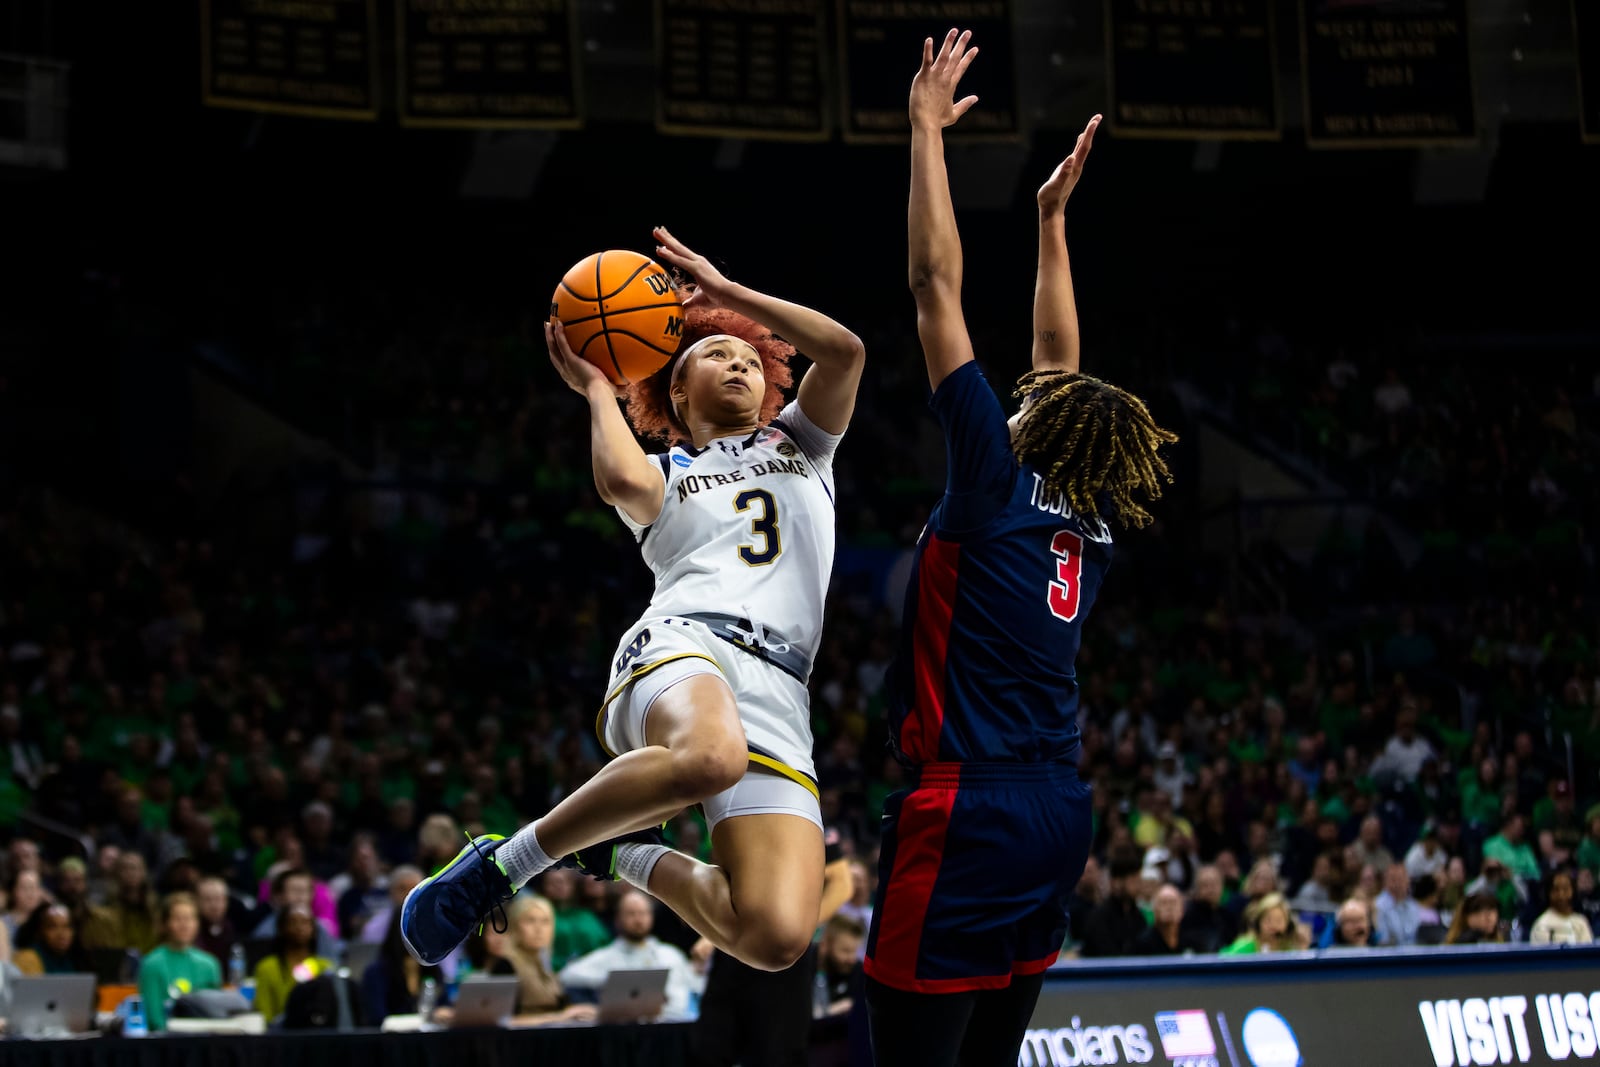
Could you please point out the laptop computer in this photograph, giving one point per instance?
(358, 956)
(52, 1005)
(484, 1001)
(629, 996)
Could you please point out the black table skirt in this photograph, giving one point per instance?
(655, 1045)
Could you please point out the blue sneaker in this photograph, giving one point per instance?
(600, 861)
(441, 911)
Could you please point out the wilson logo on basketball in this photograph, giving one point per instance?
(659, 284)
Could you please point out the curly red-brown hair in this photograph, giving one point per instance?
(650, 401)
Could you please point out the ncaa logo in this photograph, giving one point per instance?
(1269, 1041)
(682, 460)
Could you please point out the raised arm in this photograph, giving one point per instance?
(623, 475)
(828, 391)
(1055, 311)
(934, 260)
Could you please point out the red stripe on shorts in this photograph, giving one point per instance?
(1034, 966)
(919, 850)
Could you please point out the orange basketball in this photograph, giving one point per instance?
(621, 312)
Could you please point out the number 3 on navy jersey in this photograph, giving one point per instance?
(1063, 598)
(764, 526)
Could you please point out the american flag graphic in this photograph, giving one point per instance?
(1185, 1033)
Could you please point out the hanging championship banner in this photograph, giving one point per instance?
(1193, 68)
(879, 38)
(301, 57)
(512, 63)
(741, 68)
(1586, 41)
(1382, 74)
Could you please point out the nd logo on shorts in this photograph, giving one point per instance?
(635, 647)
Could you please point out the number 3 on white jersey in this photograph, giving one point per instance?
(764, 526)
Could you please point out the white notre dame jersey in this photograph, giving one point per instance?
(747, 529)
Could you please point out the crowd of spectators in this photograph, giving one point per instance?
(210, 742)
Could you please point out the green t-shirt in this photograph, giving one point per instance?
(579, 931)
(1519, 859)
(1479, 805)
(1589, 855)
(167, 974)
(1244, 946)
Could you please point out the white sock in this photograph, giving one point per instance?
(522, 858)
(636, 860)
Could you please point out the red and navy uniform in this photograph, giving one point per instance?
(980, 855)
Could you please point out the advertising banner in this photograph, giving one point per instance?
(1442, 1007)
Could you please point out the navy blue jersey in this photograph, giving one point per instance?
(1002, 582)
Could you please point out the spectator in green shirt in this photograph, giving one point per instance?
(579, 931)
(1589, 847)
(1509, 847)
(176, 967)
(1481, 795)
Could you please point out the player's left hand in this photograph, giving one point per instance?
(1053, 194)
(710, 287)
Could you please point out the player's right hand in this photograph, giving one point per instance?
(576, 371)
(933, 90)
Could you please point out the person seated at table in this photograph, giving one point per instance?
(295, 888)
(48, 943)
(293, 960)
(485, 950)
(175, 968)
(1560, 925)
(1352, 927)
(392, 983)
(1272, 928)
(526, 953)
(1477, 921)
(636, 950)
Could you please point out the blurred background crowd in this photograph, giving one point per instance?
(1390, 739)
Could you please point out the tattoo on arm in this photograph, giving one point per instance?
(1047, 335)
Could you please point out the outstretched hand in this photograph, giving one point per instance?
(710, 288)
(1053, 194)
(933, 90)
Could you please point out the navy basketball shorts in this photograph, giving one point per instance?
(977, 863)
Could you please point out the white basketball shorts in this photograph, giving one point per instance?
(774, 709)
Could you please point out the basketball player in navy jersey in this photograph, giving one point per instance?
(981, 853)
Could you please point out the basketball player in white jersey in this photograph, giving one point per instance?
(708, 703)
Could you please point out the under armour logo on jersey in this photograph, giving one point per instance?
(732, 448)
